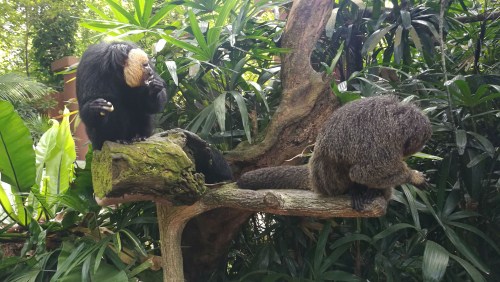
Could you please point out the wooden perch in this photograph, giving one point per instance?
(159, 170)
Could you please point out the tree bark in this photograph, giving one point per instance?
(307, 102)
(307, 99)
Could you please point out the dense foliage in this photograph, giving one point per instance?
(220, 59)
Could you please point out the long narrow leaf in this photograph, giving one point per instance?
(415, 38)
(374, 39)
(392, 229)
(148, 8)
(139, 10)
(220, 111)
(243, 112)
(160, 15)
(213, 34)
(465, 250)
(121, 14)
(198, 35)
(199, 54)
(412, 204)
(471, 270)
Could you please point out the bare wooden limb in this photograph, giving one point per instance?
(283, 202)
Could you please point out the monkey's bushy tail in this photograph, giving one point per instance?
(280, 177)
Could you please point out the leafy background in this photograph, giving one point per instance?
(220, 60)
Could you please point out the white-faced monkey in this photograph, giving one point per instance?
(118, 92)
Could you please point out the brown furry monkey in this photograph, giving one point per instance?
(360, 150)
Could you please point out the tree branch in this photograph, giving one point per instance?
(117, 181)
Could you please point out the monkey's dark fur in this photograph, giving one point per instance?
(118, 92)
(360, 148)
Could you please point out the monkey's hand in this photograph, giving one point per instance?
(154, 85)
(101, 106)
(418, 179)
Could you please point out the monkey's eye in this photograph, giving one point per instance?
(145, 64)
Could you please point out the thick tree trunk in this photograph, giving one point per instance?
(307, 102)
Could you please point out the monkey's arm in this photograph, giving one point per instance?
(386, 175)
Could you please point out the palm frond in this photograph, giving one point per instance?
(14, 87)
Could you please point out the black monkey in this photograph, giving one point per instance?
(118, 92)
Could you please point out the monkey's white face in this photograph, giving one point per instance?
(137, 69)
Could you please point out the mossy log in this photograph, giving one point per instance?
(158, 169)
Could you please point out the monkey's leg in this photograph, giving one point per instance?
(385, 175)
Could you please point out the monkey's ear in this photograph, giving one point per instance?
(134, 70)
(118, 53)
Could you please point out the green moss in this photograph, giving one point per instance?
(160, 168)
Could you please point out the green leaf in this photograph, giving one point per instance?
(461, 140)
(319, 252)
(471, 270)
(374, 39)
(160, 15)
(430, 26)
(213, 34)
(435, 262)
(427, 156)
(414, 37)
(330, 25)
(58, 157)
(198, 35)
(424, 198)
(398, 48)
(121, 14)
(98, 11)
(392, 229)
(200, 54)
(477, 159)
(258, 91)
(195, 124)
(476, 231)
(7, 205)
(349, 239)
(485, 143)
(135, 241)
(465, 250)
(406, 19)
(412, 205)
(17, 158)
(148, 8)
(220, 111)
(172, 69)
(139, 5)
(243, 112)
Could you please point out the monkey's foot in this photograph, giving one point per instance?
(138, 139)
(362, 195)
(130, 141)
(101, 106)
